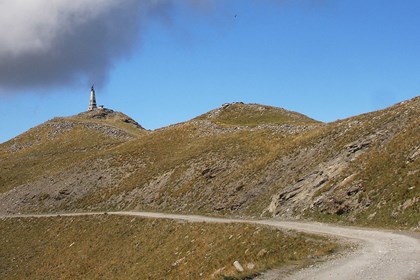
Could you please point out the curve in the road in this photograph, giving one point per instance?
(382, 254)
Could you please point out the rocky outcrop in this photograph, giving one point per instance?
(107, 114)
(309, 190)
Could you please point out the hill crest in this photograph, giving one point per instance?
(360, 170)
(251, 115)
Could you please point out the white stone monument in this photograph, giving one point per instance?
(92, 103)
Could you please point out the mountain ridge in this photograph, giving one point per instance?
(239, 159)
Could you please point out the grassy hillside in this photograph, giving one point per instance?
(237, 160)
(110, 247)
(382, 186)
(60, 143)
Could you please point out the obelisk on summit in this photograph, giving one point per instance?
(92, 103)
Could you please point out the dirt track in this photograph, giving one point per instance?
(381, 254)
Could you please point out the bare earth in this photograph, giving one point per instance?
(380, 254)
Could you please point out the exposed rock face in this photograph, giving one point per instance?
(294, 199)
(348, 181)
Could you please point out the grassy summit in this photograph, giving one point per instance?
(239, 114)
(54, 146)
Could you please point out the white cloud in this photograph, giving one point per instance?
(32, 26)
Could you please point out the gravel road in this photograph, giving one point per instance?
(380, 255)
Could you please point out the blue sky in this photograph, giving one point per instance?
(326, 59)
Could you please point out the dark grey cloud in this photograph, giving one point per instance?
(58, 43)
(54, 43)
(50, 43)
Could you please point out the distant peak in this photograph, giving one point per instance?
(101, 113)
(242, 114)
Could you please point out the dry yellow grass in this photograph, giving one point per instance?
(111, 247)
